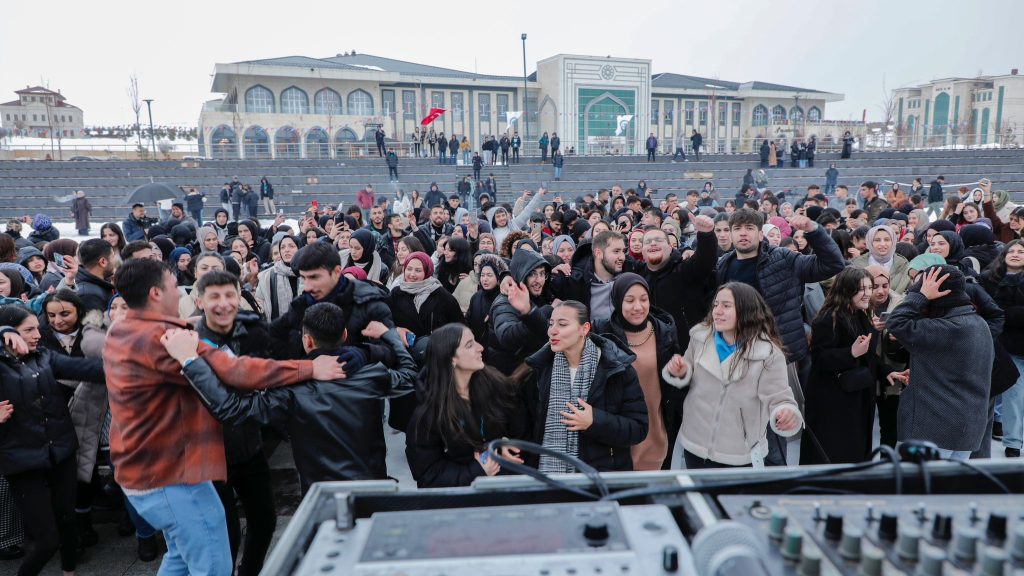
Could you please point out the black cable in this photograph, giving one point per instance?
(991, 477)
(668, 490)
(494, 447)
(897, 470)
(926, 477)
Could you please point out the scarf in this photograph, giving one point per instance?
(874, 255)
(565, 389)
(420, 291)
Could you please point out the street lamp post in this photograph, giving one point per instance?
(526, 105)
(152, 137)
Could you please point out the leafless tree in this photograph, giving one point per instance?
(887, 105)
(136, 103)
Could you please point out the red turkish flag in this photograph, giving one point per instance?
(433, 115)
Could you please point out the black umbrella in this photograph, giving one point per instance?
(152, 193)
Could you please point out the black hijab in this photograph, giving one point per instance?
(623, 282)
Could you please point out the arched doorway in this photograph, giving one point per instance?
(547, 119)
(318, 144)
(343, 141)
(600, 124)
(257, 143)
(286, 143)
(940, 123)
(223, 143)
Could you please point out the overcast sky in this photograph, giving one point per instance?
(89, 49)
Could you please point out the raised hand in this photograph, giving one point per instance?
(519, 298)
(931, 284)
(677, 366)
(861, 345)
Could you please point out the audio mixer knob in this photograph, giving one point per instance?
(965, 544)
(996, 529)
(992, 561)
(833, 527)
(888, 526)
(907, 543)
(792, 545)
(810, 563)
(596, 533)
(777, 525)
(871, 565)
(849, 546)
(942, 527)
(931, 564)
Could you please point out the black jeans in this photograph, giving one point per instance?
(250, 480)
(694, 462)
(888, 409)
(515, 155)
(504, 156)
(236, 211)
(393, 172)
(679, 153)
(46, 499)
(696, 153)
(380, 150)
(476, 173)
(651, 156)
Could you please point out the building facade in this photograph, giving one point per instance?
(302, 107)
(962, 111)
(41, 112)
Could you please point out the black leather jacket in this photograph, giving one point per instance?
(335, 427)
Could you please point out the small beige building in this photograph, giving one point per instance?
(41, 112)
(303, 107)
(962, 111)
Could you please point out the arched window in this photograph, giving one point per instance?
(294, 101)
(778, 114)
(343, 141)
(257, 144)
(360, 103)
(223, 143)
(260, 100)
(327, 101)
(760, 115)
(317, 143)
(814, 114)
(796, 114)
(286, 141)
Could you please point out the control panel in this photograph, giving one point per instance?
(886, 535)
(544, 540)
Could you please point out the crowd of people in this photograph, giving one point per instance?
(628, 331)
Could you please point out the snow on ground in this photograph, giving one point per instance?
(86, 146)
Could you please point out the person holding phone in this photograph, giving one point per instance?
(891, 355)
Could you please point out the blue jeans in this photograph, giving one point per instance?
(192, 520)
(558, 172)
(1013, 410)
(830, 189)
(465, 158)
(442, 158)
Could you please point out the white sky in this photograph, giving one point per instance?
(89, 49)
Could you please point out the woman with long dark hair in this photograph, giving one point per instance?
(650, 334)
(454, 271)
(738, 383)
(584, 398)
(1004, 281)
(465, 404)
(489, 268)
(840, 404)
(37, 455)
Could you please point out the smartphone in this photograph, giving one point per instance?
(58, 259)
(883, 316)
(280, 212)
(572, 205)
(985, 181)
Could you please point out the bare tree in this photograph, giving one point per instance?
(887, 105)
(136, 103)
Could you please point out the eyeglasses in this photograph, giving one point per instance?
(654, 240)
(538, 273)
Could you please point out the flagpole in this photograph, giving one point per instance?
(526, 105)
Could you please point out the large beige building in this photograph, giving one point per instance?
(41, 112)
(298, 106)
(962, 111)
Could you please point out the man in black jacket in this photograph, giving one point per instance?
(335, 427)
(387, 244)
(935, 195)
(594, 267)
(378, 137)
(392, 161)
(434, 197)
(429, 233)
(504, 144)
(696, 140)
(681, 287)
(95, 266)
(240, 334)
(319, 266)
(516, 143)
(519, 319)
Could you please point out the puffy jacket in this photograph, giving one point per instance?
(39, 431)
(133, 229)
(781, 275)
(335, 427)
(935, 194)
(1008, 293)
(668, 344)
(94, 292)
(392, 160)
(360, 301)
(652, 143)
(620, 413)
(556, 142)
(426, 236)
(725, 417)
(512, 337)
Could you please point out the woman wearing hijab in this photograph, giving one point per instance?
(917, 222)
(771, 234)
(650, 334)
(249, 231)
(923, 241)
(950, 247)
(362, 253)
(635, 245)
(979, 245)
(891, 356)
(489, 269)
(881, 244)
(279, 285)
(420, 305)
(564, 247)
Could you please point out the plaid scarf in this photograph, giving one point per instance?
(563, 390)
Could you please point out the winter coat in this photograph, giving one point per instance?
(556, 143)
(764, 152)
(895, 198)
(831, 177)
(361, 302)
(1002, 230)
(194, 203)
(335, 427)
(426, 236)
(365, 199)
(88, 406)
(440, 308)
(237, 193)
(945, 401)
(133, 229)
(392, 160)
(512, 337)
(781, 276)
(94, 292)
(935, 194)
(379, 277)
(478, 316)
(1008, 293)
(725, 417)
(668, 344)
(266, 189)
(543, 142)
(558, 160)
(81, 209)
(696, 140)
(39, 432)
(652, 143)
(277, 287)
(874, 208)
(620, 413)
(842, 421)
(683, 288)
